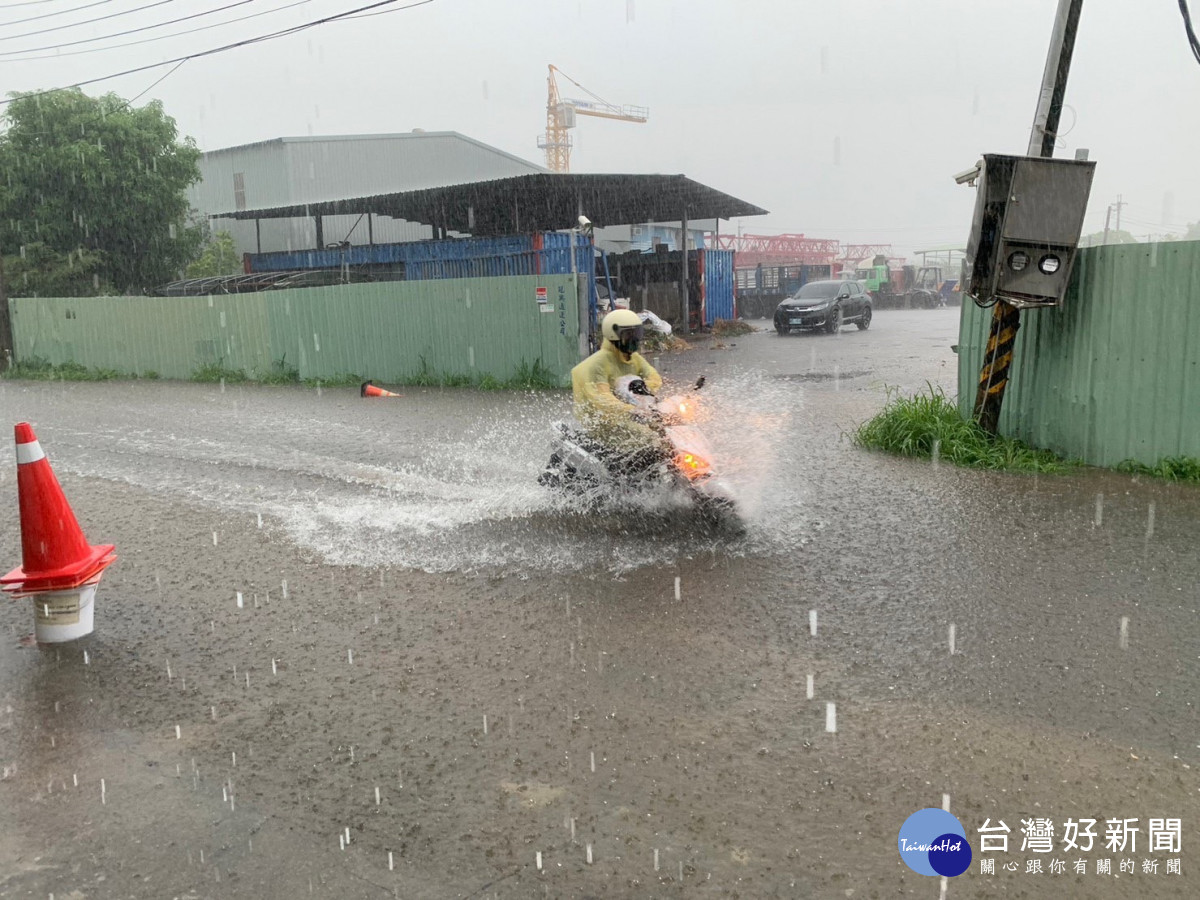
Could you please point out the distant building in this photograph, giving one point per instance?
(290, 170)
(623, 238)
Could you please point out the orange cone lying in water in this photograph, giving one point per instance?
(369, 390)
(55, 554)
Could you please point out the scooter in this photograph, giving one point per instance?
(581, 465)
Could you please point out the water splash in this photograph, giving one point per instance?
(467, 499)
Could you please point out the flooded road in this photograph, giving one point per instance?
(491, 691)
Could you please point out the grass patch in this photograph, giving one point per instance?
(529, 376)
(1169, 468)
(731, 328)
(345, 379)
(280, 373)
(534, 377)
(35, 368)
(214, 372)
(910, 426)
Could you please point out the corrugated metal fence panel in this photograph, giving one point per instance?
(473, 327)
(718, 285)
(1112, 374)
(457, 327)
(170, 336)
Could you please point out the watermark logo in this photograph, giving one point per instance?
(933, 842)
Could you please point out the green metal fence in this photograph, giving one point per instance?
(1112, 374)
(471, 327)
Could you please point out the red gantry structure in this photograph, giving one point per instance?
(753, 249)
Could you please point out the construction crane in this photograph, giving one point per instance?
(560, 118)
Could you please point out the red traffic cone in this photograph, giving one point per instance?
(55, 554)
(369, 390)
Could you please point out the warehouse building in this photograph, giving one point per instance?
(290, 171)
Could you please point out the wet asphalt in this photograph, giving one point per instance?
(466, 676)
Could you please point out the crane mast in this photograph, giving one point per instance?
(560, 118)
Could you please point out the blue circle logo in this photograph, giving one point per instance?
(933, 842)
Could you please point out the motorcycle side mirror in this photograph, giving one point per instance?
(699, 383)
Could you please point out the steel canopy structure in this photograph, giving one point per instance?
(529, 203)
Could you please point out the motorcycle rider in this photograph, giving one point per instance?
(610, 420)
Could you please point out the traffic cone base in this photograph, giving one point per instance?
(99, 557)
(55, 553)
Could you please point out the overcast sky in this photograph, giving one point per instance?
(846, 119)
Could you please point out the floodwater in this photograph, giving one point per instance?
(492, 691)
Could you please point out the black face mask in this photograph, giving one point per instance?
(629, 339)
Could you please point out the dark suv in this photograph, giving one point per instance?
(825, 305)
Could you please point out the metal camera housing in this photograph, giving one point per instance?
(1028, 219)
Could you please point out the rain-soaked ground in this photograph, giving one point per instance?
(351, 649)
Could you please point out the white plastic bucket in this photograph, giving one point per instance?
(64, 615)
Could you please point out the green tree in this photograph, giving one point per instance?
(1193, 232)
(38, 271)
(93, 173)
(217, 258)
(1114, 237)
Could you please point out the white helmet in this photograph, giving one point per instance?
(624, 328)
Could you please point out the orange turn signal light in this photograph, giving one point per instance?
(691, 465)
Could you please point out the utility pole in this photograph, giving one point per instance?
(1107, 218)
(1006, 319)
(684, 301)
(1118, 205)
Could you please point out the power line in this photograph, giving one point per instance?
(161, 37)
(27, 3)
(105, 37)
(134, 99)
(248, 41)
(14, 37)
(61, 12)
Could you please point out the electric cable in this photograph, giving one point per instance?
(1191, 34)
(15, 37)
(215, 50)
(105, 37)
(27, 3)
(151, 40)
(132, 100)
(61, 12)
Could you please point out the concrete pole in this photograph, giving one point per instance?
(1006, 319)
(1054, 79)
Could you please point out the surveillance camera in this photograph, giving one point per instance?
(585, 222)
(970, 175)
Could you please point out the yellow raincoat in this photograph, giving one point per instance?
(605, 416)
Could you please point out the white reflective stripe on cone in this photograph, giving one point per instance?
(29, 453)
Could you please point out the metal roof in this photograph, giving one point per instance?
(532, 203)
(414, 135)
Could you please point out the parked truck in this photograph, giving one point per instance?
(907, 287)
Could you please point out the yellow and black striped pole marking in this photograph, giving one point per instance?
(997, 357)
